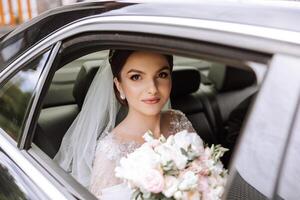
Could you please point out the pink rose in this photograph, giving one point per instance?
(153, 181)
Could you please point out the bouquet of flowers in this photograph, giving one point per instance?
(179, 167)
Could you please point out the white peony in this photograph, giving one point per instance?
(190, 142)
(171, 157)
(178, 167)
(133, 167)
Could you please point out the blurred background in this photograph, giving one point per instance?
(14, 12)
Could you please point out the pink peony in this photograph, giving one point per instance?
(203, 186)
(153, 181)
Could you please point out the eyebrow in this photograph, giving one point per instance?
(141, 72)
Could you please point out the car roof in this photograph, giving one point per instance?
(26, 35)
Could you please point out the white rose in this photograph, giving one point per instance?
(218, 168)
(178, 195)
(171, 186)
(189, 181)
(149, 138)
(214, 194)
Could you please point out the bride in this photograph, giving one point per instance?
(93, 145)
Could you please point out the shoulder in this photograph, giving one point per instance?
(106, 143)
(178, 121)
(174, 117)
(174, 114)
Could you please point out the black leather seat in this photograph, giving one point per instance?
(234, 89)
(209, 105)
(185, 96)
(232, 85)
(54, 122)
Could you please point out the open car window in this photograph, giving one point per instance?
(208, 83)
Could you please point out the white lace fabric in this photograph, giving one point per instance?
(110, 151)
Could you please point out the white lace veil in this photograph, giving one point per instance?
(97, 118)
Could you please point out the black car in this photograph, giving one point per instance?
(236, 77)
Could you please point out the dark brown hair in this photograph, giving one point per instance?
(117, 59)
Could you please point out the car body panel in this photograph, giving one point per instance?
(31, 32)
(26, 166)
(25, 36)
(15, 184)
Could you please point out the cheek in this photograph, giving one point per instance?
(165, 86)
(132, 90)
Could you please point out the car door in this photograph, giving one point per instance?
(264, 148)
(15, 184)
(16, 94)
(194, 47)
(287, 186)
(20, 85)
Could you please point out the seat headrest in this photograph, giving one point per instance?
(84, 80)
(185, 80)
(229, 78)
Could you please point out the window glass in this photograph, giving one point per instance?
(16, 95)
(65, 78)
(208, 79)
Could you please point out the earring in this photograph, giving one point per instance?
(122, 96)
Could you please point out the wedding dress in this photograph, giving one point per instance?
(104, 185)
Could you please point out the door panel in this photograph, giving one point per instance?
(265, 134)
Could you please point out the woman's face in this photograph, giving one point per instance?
(145, 81)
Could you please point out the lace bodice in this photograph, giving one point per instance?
(110, 150)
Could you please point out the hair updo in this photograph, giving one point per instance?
(117, 59)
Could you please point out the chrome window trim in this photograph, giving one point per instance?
(206, 30)
(8, 137)
(37, 91)
(35, 175)
(243, 29)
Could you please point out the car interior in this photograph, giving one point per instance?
(206, 91)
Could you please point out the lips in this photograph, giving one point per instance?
(151, 100)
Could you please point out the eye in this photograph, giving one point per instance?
(135, 77)
(163, 75)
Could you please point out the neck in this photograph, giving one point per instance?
(139, 123)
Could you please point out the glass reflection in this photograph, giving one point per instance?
(14, 183)
(9, 189)
(16, 95)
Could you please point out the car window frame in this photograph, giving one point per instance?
(129, 40)
(14, 69)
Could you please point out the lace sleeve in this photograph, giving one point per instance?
(103, 174)
(180, 122)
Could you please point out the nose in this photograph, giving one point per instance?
(152, 88)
